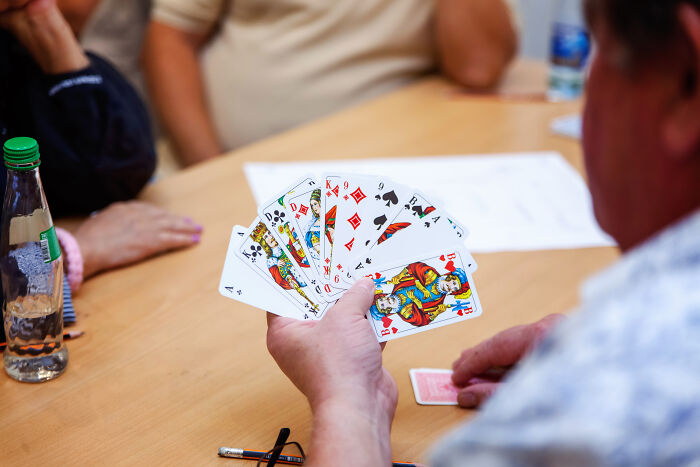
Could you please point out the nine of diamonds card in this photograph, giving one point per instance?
(314, 238)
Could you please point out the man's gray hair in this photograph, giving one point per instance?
(644, 29)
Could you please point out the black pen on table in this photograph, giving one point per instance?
(236, 453)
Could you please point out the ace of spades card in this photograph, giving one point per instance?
(277, 218)
(363, 210)
(237, 283)
(260, 251)
(304, 207)
(421, 293)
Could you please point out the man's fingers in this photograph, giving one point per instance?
(502, 350)
(473, 396)
(275, 321)
(276, 340)
(357, 299)
(271, 319)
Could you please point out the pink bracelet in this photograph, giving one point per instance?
(73, 260)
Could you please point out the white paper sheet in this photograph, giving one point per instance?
(509, 202)
(569, 125)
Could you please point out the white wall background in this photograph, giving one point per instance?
(535, 16)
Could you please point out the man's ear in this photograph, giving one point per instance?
(681, 130)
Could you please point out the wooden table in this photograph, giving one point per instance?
(168, 370)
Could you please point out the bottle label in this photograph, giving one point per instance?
(50, 248)
(570, 46)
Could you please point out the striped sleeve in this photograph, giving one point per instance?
(68, 311)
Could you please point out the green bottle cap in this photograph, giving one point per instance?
(21, 153)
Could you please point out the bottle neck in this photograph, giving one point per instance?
(25, 167)
(23, 192)
(23, 181)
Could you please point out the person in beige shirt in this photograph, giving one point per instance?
(222, 74)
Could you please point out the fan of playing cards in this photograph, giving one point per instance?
(311, 242)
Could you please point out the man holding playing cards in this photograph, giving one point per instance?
(617, 382)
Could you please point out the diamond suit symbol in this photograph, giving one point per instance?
(357, 195)
(303, 209)
(355, 221)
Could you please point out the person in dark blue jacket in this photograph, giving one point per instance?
(92, 127)
(94, 137)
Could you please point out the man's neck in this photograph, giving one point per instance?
(653, 225)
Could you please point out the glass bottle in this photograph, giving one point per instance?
(31, 268)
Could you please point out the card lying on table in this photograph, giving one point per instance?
(433, 386)
(317, 236)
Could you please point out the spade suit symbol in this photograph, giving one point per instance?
(379, 221)
(391, 198)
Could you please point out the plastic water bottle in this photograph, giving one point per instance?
(31, 267)
(569, 50)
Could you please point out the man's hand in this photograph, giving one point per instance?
(338, 356)
(337, 363)
(474, 369)
(125, 233)
(39, 26)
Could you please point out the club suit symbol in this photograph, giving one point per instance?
(256, 250)
(278, 216)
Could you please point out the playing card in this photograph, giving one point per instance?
(260, 251)
(304, 206)
(330, 193)
(278, 218)
(433, 386)
(422, 292)
(363, 211)
(417, 222)
(237, 282)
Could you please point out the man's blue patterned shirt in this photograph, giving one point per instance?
(617, 383)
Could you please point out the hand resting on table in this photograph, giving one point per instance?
(474, 369)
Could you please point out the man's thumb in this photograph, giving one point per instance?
(358, 298)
